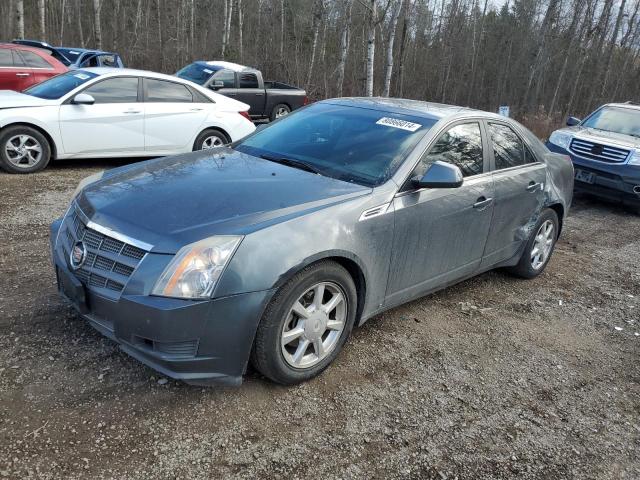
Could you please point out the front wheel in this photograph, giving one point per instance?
(539, 247)
(210, 139)
(23, 150)
(280, 110)
(306, 324)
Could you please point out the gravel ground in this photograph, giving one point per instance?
(493, 378)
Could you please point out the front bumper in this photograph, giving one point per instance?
(200, 342)
(613, 182)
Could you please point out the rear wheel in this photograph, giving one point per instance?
(539, 247)
(23, 150)
(280, 110)
(306, 324)
(210, 139)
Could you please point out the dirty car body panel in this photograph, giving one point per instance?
(398, 241)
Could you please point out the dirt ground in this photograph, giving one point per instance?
(493, 378)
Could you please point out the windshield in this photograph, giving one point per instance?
(60, 85)
(354, 144)
(196, 72)
(71, 54)
(615, 119)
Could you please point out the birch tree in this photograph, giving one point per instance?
(96, 22)
(42, 8)
(344, 45)
(20, 18)
(393, 24)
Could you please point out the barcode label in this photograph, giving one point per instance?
(396, 123)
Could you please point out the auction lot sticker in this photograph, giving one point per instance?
(396, 123)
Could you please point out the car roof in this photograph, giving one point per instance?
(112, 71)
(632, 105)
(417, 108)
(17, 46)
(222, 65)
(85, 50)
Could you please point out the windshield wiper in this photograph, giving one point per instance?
(291, 162)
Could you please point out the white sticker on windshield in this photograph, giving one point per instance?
(74, 52)
(206, 70)
(81, 76)
(396, 123)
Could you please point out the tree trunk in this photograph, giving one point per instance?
(42, 7)
(282, 30)
(403, 46)
(393, 24)
(612, 44)
(224, 27)
(20, 18)
(97, 27)
(371, 48)
(240, 15)
(344, 46)
(317, 16)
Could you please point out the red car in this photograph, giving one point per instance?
(21, 66)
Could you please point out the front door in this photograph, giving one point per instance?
(519, 193)
(14, 73)
(249, 92)
(440, 234)
(113, 125)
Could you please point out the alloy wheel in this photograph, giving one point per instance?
(314, 325)
(23, 151)
(542, 245)
(212, 141)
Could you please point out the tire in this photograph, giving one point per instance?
(23, 149)
(530, 266)
(278, 362)
(214, 137)
(280, 110)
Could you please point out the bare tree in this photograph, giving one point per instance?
(344, 45)
(393, 24)
(42, 8)
(240, 19)
(97, 23)
(20, 18)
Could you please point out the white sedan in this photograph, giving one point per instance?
(104, 112)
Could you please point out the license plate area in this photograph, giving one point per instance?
(71, 288)
(584, 176)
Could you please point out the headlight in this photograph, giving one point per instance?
(561, 139)
(196, 268)
(635, 158)
(87, 181)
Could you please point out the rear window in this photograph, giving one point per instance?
(249, 80)
(6, 58)
(163, 91)
(34, 60)
(353, 144)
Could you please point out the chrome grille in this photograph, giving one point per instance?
(109, 262)
(597, 151)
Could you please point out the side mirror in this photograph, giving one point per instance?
(83, 99)
(440, 175)
(216, 85)
(573, 121)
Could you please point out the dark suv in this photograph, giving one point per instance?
(605, 150)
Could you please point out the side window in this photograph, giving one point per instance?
(17, 60)
(115, 90)
(461, 146)
(34, 61)
(227, 77)
(164, 91)
(248, 80)
(6, 58)
(508, 149)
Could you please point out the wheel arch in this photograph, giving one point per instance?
(350, 262)
(559, 209)
(211, 127)
(47, 135)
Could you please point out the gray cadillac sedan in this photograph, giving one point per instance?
(272, 249)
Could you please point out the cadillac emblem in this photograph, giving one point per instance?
(78, 255)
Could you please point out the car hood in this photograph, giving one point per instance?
(603, 136)
(11, 99)
(177, 200)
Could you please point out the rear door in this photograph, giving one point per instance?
(440, 233)
(114, 125)
(173, 116)
(519, 192)
(14, 74)
(41, 69)
(251, 93)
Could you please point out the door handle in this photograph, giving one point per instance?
(196, 109)
(533, 186)
(129, 112)
(259, 94)
(23, 74)
(482, 203)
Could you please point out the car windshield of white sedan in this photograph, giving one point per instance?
(57, 87)
(615, 119)
(354, 144)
